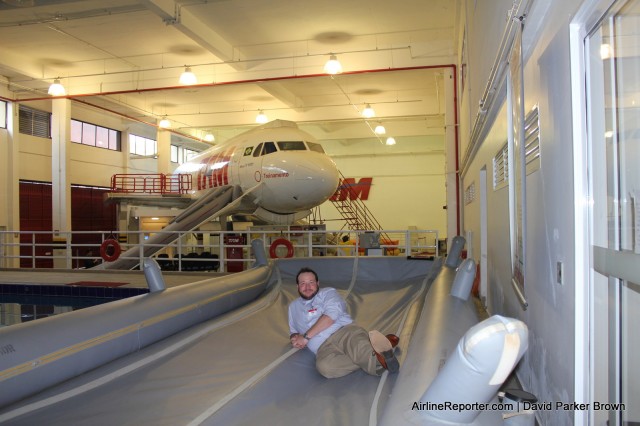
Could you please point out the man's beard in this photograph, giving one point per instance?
(309, 297)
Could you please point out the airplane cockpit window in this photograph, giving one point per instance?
(291, 146)
(256, 152)
(268, 148)
(315, 147)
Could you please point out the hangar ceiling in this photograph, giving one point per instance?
(125, 56)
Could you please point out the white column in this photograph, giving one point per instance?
(10, 184)
(60, 147)
(164, 151)
(451, 170)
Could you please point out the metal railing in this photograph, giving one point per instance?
(221, 251)
(150, 183)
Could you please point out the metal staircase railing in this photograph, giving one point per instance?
(355, 213)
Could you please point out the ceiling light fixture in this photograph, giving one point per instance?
(209, 137)
(57, 89)
(368, 112)
(380, 130)
(261, 118)
(391, 141)
(188, 78)
(333, 66)
(164, 123)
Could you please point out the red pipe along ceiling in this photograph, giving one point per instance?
(258, 80)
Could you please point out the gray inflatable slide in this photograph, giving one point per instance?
(216, 352)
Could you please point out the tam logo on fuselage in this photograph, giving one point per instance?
(349, 189)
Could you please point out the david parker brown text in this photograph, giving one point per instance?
(506, 406)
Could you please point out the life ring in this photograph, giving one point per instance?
(104, 247)
(281, 242)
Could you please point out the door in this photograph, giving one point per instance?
(612, 66)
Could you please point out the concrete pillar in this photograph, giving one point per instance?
(164, 151)
(10, 188)
(60, 161)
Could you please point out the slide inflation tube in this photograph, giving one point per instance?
(42, 353)
(474, 372)
(281, 242)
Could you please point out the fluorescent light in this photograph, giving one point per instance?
(333, 66)
(391, 141)
(209, 137)
(368, 112)
(261, 118)
(188, 78)
(57, 89)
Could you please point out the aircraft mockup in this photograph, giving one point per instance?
(276, 173)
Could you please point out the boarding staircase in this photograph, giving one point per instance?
(355, 213)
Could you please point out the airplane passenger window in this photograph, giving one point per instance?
(256, 152)
(315, 147)
(268, 148)
(291, 146)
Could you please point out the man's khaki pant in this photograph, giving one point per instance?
(347, 350)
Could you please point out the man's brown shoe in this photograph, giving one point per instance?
(383, 348)
(393, 339)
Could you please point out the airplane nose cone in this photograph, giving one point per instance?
(318, 180)
(299, 181)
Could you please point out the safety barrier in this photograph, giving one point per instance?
(150, 183)
(204, 251)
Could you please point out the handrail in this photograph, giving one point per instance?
(145, 183)
(47, 249)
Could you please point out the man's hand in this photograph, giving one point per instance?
(297, 341)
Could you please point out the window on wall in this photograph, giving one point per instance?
(94, 135)
(180, 154)
(34, 122)
(139, 145)
(3, 115)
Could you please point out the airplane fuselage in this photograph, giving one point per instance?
(292, 170)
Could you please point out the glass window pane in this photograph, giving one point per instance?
(3, 114)
(114, 140)
(76, 131)
(291, 146)
(102, 137)
(315, 147)
(150, 148)
(269, 147)
(88, 134)
(140, 145)
(614, 76)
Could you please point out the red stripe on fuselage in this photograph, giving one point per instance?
(212, 177)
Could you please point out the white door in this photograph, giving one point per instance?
(612, 63)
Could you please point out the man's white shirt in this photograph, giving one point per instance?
(304, 313)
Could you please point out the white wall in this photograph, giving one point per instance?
(408, 187)
(547, 367)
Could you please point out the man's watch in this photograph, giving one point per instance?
(306, 336)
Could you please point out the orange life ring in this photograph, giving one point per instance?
(281, 242)
(110, 243)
